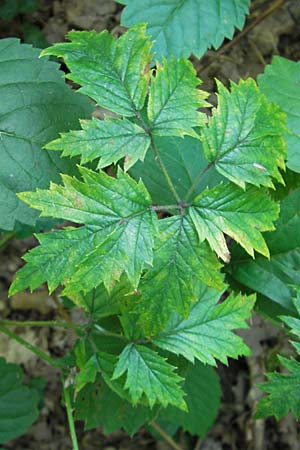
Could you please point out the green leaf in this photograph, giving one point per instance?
(184, 161)
(150, 375)
(242, 215)
(174, 99)
(203, 392)
(112, 72)
(118, 237)
(244, 138)
(98, 405)
(207, 333)
(36, 105)
(273, 278)
(180, 265)
(281, 84)
(182, 27)
(18, 403)
(283, 390)
(109, 139)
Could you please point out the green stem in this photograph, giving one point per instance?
(164, 170)
(165, 436)
(104, 332)
(167, 207)
(28, 346)
(67, 398)
(197, 180)
(39, 323)
(6, 238)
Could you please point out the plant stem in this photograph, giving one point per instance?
(67, 398)
(198, 444)
(164, 170)
(39, 323)
(5, 239)
(28, 346)
(104, 332)
(197, 180)
(166, 436)
(166, 207)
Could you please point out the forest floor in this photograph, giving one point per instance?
(246, 55)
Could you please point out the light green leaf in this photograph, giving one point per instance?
(35, 106)
(98, 405)
(244, 138)
(273, 278)
(203, 392)
(207, 333)
(112, 72)
(18, 403)
(109, 139)
(281, 84)
(118, 237)
(242, 215)
(182, 27)
(149, 374)
(180, 265)
(174, 99)
(184, 161)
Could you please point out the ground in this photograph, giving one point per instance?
(246, 55)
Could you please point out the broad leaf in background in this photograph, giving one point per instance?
(207, 333)
(184, 160)
(283, 388)
(118, 236)
(112, 72)
(242, 215)
(149, 374)
(35, 106)
(244, 138)
(203, 395)
(98, 405)
(281, 84)
(182, 27)
(174, 100)
(180, 265)
(110, 140)
(273, 278)
(18, 403)
(11, 8)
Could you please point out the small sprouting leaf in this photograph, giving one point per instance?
(151, 375)
(118, 236)
(174, 99)
(207, 333)
(244, 138)
(180, 265)
(109, 139)
(281, 84)
(182, 27)
(111, 71)
(242, 215)
(18, 403)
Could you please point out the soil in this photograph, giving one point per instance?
(277, 34)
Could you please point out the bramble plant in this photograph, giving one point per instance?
(185, 193)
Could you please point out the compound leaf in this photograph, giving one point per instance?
(242, 215)
(180, 265)
(36, 105)
(207, 333)
(244, 138)
(18, 403)
(174, 99)
(109, 139)
(112, 72)
(273, 278)
(281, 84)
(203, 394)
(149, 374)
(182, 27)
(118, 236)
